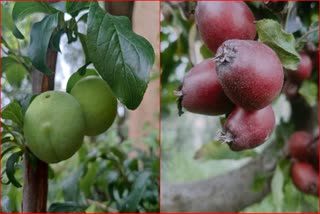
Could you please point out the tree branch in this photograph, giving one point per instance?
(232, 191)
(35, 177)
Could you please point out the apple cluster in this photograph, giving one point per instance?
(303, 149)
(56, 122)
(242, 80)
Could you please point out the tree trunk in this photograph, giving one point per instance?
(35, 185)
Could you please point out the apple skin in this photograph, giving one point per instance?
(304, 69)
(305, 178)
(246, 130)
(54, 126)
(202, 92)
(221, 21)
(249, 72)
(98, 104)
(298, 144)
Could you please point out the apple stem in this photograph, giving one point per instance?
(225, 137)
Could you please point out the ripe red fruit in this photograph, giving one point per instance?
(250, 73)
(298, 145)
(305, 177)
(246, 130)
(304, 69)
(313, 154)
(201, 91)
(221, 21)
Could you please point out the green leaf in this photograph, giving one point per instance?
(11, 168)
(130, 203)
(71, 191)
(13, 112)
(25, 102)
(14, 71)
(55, 40)
(75, 77)
(277, 183)
(271, 34)
(6, 140)
(68, 206)
(23, 9)
(220, 151)
(61, 6)
(205, 52)
(123, 58)
(5, 151)
(40, 37)
(83, 40)
(8, 23)
(73, 7)
(88, 180)
(118, 153)
(309, 90)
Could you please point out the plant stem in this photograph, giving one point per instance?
(35, 187)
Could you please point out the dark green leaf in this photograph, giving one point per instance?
(13, 112)
(117, 152)
(66, 207)
(123, 58)
(271, 34)
(61, 6)
(130, 203)
(309, 90)
(11, 168)
(40, 37)
(83, 40)
(6, 140)
(220, 151)
(75, 77)
(5, 151)
(23, 9)
(55, 41)
(73, 7)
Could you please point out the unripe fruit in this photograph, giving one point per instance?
(298, 145)
(304, 69)
(247, 130)
(97, 102)
(305, 178)
(250, 73)
(54, 126)
(201, 91)
(221, 21)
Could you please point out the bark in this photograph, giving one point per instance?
(229, 192)
(120, 8)
(35, 188)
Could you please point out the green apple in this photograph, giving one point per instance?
(98, 104)
(54, 126)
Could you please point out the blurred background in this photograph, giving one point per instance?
(189, 154)
(112, 167)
